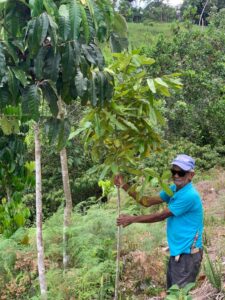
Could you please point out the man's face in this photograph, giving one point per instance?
(181, 177)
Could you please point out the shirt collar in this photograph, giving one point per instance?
(186, 187)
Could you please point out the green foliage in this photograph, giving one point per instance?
(84, 187)
(217, 19)
(159, 11)
(92, 244)
(180, 294)
(127, 129)
(197, 110)
(106, 187)
(206, 157)
(15, 176)
(12, 215)
(50, 52)
(213, 272)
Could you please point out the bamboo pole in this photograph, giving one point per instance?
(118, 248)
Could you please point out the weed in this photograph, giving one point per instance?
(213, 271)
(176, 293)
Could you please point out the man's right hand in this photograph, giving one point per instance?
(118, 180)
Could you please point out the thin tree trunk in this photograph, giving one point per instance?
(116, 297)
(40, 247)
(68, 205)
(67, 194)
(8, 194)
(200, 19)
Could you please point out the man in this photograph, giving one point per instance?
(184, 214)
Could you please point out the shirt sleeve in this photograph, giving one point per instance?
(181, 205)
(164, 196)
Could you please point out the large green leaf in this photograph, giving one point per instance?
(68, 66)
(39, 62)
(13, 84)
(64, 132)
(119, 34)
(12, 50)
(151, 85)
(53, 32)
(52, 65)
(93, 55)
(20, 75)
(31, 102)
(52, 128)
(75, 19)
(64, 22)
(5, 97)
(16, 15)
(42, 24)
(37, 31)
(92, 90)
(85, 24)
(5, 125)
(50, 7)
(2, 61)
(31, 35)
(58, 132)
(36, 7)
(117, 43)
(81, 83)
(50, 94)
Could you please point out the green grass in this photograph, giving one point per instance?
(141, 34)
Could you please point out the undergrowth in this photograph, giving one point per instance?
(92, 250)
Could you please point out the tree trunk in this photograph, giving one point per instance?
(201, 16)
(68, 204)
(116, 297)
(8, 194)
(40, 247)
(67, 194)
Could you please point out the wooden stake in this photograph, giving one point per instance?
(118, 248)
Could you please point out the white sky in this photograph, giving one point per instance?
(170, 2)
(174, 2)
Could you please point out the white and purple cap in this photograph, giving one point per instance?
(185, 162)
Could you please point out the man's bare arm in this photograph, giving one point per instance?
(146, 201)
(125, 220)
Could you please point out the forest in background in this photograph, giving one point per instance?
(192, 122)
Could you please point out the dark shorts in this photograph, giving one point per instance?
(183, 271)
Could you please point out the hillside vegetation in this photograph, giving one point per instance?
(192, 122)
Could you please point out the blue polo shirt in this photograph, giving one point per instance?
(187, 219)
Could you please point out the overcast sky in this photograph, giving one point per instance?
(175, 2)
(170, 2)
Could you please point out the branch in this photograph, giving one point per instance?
(200, 19)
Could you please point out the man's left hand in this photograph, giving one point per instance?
(125, 220)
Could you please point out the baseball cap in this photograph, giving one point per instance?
(184, 161)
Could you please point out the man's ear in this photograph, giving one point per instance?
(192, 174)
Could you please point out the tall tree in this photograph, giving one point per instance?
(39, 237)
(67, 193)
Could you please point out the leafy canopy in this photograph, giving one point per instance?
(127, 129)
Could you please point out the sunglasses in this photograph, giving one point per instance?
(180, 173)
